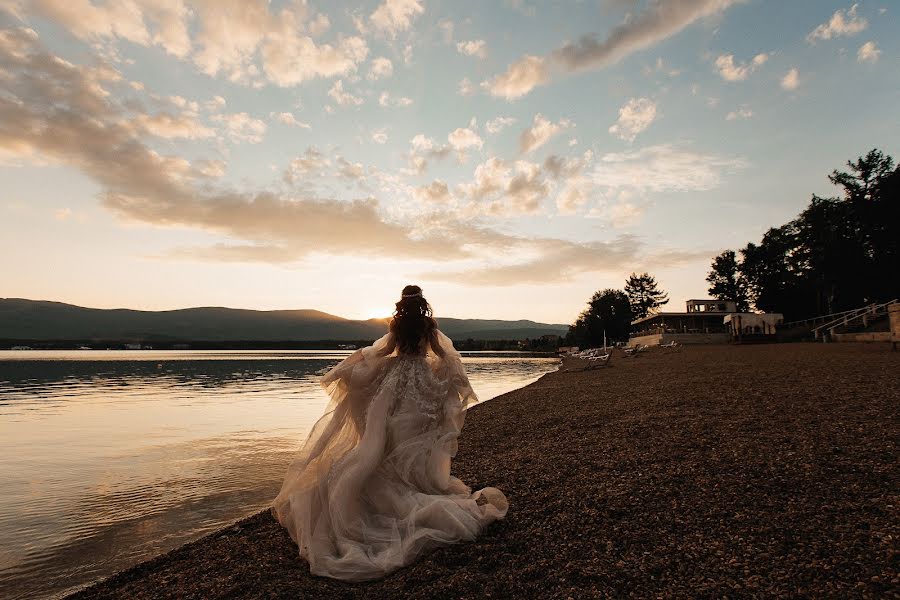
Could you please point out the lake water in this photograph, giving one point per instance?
(108, 458)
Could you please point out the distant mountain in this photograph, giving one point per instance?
(36, 320)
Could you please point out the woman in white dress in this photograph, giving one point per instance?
(372, 490)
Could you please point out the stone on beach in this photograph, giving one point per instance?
(755, 470)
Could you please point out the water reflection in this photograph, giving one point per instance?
(108, 458)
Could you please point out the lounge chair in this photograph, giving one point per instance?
(600, 360)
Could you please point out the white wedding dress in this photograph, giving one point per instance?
(372, 490)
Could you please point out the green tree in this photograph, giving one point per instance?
(839, 253)
(872, 197)
(644, 294)
(774, 273)
(608, 310)
(866, 177)
(726, 281)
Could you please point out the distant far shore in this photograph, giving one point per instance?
(763, 471)
(462, 345)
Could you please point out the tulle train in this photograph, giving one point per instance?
(372, 490)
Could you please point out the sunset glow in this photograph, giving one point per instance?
(510, 157)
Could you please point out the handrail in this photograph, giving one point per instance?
(850, 314)
(872, 309)
(830, 316)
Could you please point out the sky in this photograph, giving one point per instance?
(511, 157)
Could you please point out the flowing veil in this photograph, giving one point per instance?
(371, 489)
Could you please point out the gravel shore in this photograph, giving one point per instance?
(766, 471)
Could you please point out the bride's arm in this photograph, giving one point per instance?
(434, 341)
(450, 367)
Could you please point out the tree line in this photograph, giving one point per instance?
(839, 253)
(611, 311)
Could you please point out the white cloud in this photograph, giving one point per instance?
(490, 176)
(540, 132)
(350, 170)
(241, 127)
(841, 24)
(624, 213)
(436, 192)
(381, 68)
(868, 52)
(501, 188)
(472, 48)
(318, 25)
(635, 116)
(168, 126)
(662, 168)
(234, 37)
(228, 34)
(498, 124)
(463, 138)
(209, 168)
(312, 161)
(659, 20)
(379, 136)
(466, 87)
(423, 148)
(386, 100)
(731, 71)
(126, 20)
(287, 118)
(791, 80)
(341, 97)
(520, 78)
(573, 196)
(526, 190)
(290, 58)
(394, 16)
(217, 103)
(743, 112)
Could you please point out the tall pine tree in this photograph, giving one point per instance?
(726, 281)
(644, 295)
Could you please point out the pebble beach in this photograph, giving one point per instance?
(711, 471)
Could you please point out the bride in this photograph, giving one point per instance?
(371, 490)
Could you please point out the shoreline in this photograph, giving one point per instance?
(716, 470)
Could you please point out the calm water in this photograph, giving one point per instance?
(108, 458)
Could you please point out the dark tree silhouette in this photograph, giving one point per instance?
(644, 294)
(608, 310)
(838, 254)
(726, 282)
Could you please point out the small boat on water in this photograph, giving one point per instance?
(346, 347)
(84, 348)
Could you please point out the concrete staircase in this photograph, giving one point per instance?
(866, 324)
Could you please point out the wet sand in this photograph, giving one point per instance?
(766, 470)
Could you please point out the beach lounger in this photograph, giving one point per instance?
(600, 360)
(636, 349)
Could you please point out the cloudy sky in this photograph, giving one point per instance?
(511, 157)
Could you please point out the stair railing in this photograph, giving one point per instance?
(859, 314)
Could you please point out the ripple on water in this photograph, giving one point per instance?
(108, 462)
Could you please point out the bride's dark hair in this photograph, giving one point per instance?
(412, 320)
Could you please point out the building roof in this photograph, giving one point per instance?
(703, 315)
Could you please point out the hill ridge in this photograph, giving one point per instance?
(25, 319)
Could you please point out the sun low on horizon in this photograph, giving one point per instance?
(510, 157)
